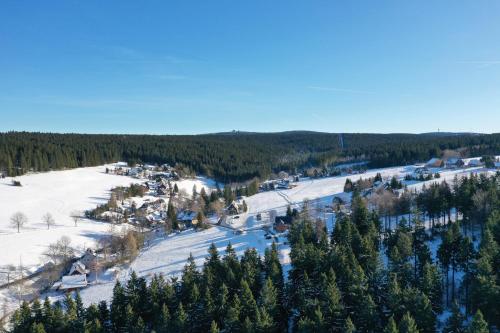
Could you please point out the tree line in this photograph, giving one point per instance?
(229, 157)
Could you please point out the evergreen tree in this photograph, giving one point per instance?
(391, 326)
(407, 324)
(214, 328)
(37, 328)
(478, 324)
(455, 323)
(349, 326)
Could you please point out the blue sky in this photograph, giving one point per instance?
(184, 67)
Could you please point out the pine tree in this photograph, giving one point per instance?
(478, 324)
(214, 328)
(455, 323)
(180, 320)
(391, 326)
(232, 316)
(265, 322)
(164, 320)
(118, 308)
(221, 306)
(349, 326)
(248, 326)
(248, 304)
(431, 285)
(94, 326)
(407, 324)
(37, 328)
(268, 300)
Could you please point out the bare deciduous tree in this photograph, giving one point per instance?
(75, 215)
(18, 220)
(48, 220)
(61, 251)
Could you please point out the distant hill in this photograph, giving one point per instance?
(450, 133)
(232, 156)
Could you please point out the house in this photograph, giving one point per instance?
(88, 258)
(283, 219)
(268, 185)
(283, 184)
(434, 163)
(73, 282)
(475, 163)
(281, 227)
(152, 185)
(235, 208)
(422, 171)
(149, 167)
(162, 190)
(188, 218)
(78, 268)
(134, 172)
(157, 216)
(282, 223)
(77, 276)
(454, 163)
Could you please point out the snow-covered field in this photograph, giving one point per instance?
(312, 189)
(58, 193)
(324, 189)
(187, 184)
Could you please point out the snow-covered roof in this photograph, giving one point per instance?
(453, 160)
(186, 216)
(77, 267)
(433, 161)
(73, 282)
(475, 162)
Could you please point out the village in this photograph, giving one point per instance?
(149, 204)
(159, 206)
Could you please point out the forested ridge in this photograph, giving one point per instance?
(230, 157)
(361, 277)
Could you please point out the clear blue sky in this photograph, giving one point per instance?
(207, 66)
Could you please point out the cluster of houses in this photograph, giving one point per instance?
(143, 171)
(453, 163)
(275, 184)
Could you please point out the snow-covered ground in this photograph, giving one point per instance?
(322, 190)
(58, 193)
(169, 255)
(200, 182)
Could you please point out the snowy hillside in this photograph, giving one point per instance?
(58, 193)
(169, 255)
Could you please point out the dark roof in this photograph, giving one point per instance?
(283, 219)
